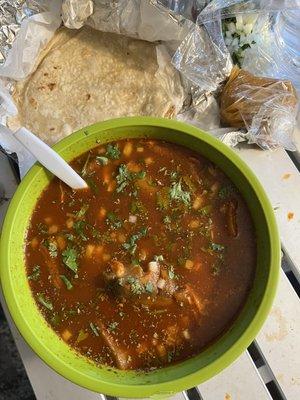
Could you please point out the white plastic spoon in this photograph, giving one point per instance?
(49, 158)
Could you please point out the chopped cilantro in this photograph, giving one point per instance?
(69, 236)
(177, 193)
(45, 302)
(171, 272)
(112, 326)
(51, 247)
(36, 272)
(113, 220)
(124, 177)
(113, 152)
(94, 329)
(173, 175)
(135, 285)
(216, 247)
(167, 220)
(82, 211)
(101, 160)
(159, 258)
(79, 227)
(149, 287)
(70, 259)
(131, 244)
(66, 281)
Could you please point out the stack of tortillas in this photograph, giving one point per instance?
(87, 76)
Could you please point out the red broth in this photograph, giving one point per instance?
(150, 264)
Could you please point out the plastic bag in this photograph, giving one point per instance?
(231, 8)
(202, 57)
(266, 107)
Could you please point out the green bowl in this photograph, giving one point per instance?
(169, 380)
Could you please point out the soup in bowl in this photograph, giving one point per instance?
(156, 276)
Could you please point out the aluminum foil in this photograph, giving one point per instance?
(12, 13)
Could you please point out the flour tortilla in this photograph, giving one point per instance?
(85, 76)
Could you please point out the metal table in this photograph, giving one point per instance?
(270, 368)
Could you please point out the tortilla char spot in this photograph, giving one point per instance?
(88, 96)
(51, 86)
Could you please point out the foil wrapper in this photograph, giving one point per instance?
(12, 13)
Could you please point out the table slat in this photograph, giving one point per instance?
(279, 340)
(281, 181)
(240, 380)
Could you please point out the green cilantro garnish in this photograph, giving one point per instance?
(149, 287)
(113, 152)
(216, 247)
(173, 175)
(177, 193)
(82, 211)
(94, 329)
(171, 272)
(79, 227)
(70, 259)
(131, 244)
(69, 236)
(113, 220)
(66, 281)
(124, 177)
(34, 276)
(167, 220)
(112, 326)
(51, 247)
(101, 160)
(159, 258)
(135, 285)
(45, 302)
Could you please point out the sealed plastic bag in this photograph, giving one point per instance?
(266, 107)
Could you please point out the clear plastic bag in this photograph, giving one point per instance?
(266, 107)
(231, 8)
(202, 56)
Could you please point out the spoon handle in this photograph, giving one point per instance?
(50, 159)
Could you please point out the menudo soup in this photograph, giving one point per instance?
(150, 264)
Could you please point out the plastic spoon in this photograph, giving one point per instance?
(49, 158)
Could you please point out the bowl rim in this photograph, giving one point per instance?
(187, 381)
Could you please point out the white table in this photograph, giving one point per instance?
(270, 368)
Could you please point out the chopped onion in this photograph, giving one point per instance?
(153, 266)
(132, 219)
(161, 283)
